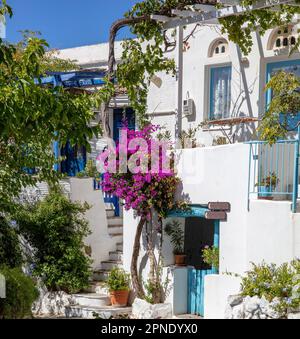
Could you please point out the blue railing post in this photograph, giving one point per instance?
(249, 178)
(296, 172)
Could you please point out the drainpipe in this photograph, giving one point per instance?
(178, 127)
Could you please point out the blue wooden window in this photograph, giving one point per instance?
(220, 92)
(291, 66)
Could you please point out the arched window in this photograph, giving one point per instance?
(278, 43)
(282, 38)
(219, 47)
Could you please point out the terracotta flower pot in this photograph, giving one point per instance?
(180, 260)
(119, 298)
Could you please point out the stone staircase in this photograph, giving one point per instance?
(94, 305)
(95, 302)
(115, 230)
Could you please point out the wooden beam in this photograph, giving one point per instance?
(160, 18)
(184, 14)
(219, 206)
(223, 13)
(204, 8)
(216, 215)
(229, 2)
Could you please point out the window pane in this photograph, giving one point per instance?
(220, 92)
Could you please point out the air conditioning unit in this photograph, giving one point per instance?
(188, 107)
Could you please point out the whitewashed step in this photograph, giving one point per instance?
(109, 265)
(115, 229)
(118, 237)
(97, 287)
(112, 221)
(116, 256)
(100, 275)
(91, 312)
(92, 300)
(120, 246)
(110, 213)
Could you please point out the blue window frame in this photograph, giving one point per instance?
(292, 66)
(220, 92)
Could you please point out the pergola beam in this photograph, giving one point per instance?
(215, 15)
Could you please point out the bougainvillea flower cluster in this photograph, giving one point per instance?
(149, 185)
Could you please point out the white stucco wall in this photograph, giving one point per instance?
(90, 56)
(220, 174)
(271, 232)
(99, 240)
(217, 290)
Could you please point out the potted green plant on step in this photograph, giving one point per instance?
(118, 283)
(266, 186)
(176, 233)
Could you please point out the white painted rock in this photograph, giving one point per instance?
(141, 309)
(162, 311)
(294, 316)
(251, 304)
(235, 300)
(52, 303)
(238, 312)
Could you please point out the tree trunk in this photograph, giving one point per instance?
(116, 26)
(137, 285)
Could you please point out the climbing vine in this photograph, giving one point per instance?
(141, 59)
(144, 56)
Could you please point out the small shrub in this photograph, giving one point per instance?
(91, 169)
(271, 281)
(118, 280)
(20, 294)
(55, 228)
(10, 250)
(211, 256)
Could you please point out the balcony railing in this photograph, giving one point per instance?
(274, 170)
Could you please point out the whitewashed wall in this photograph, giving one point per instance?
(248, 83)
(99, 240)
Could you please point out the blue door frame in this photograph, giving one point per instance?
(196, 279)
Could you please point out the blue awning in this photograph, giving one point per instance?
(74, 79)
(193, 211)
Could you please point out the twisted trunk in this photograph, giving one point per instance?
(137, 285)
(116, 26)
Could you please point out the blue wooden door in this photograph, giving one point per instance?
(75, 159)
(121, 115)
(196, 290)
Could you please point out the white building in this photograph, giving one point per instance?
(222, 84)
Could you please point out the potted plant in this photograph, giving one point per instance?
(176, 233)
(266, 186)
(118, 283)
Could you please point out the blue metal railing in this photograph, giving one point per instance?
(274, 170)
(108, 198)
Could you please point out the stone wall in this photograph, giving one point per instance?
(255, 308)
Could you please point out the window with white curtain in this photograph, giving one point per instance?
(220, 92)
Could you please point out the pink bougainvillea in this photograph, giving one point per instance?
(148, 181)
